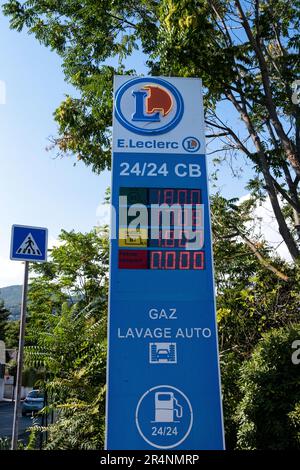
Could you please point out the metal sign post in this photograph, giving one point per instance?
(15, 432)
(2, 368)
(28, 244)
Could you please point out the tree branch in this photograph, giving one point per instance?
(253, 247)
(229, 131)
(263, 260)
(255, 42)
(264, 166)
(285, 195)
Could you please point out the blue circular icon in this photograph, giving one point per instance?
(148, 106)
(164, 417)
(191, 144)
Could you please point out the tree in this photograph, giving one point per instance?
(12, 329)
(245, 52)
(254, 294)
(235, 236)
(77, 273)
(66, 338)
(268, 414)
(86, 34)
(73, 356)
(247, 308)
(4, 315)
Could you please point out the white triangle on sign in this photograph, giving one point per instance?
(29, 247)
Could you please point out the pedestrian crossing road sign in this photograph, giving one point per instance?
(29, 243)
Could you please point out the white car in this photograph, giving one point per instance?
(33, 403)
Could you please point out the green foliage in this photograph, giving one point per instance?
(4, 314)
(88, 36)
(230, 363)
(74, 359)
(247, 309)
(4, 443)
(227, 57)
(251, 299)
(12, 300)
(31, 375)
(268, 414)
(234, 263)
(294, 421)
(12, 329)
(66, 339)
(77, 273)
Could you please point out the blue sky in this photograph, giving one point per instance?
(36, 188)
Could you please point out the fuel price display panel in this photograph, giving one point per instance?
(163, 369)
(177, 214)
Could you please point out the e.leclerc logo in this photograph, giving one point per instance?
(191, 144)
(148, 106)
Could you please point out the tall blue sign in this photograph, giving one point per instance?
(163, 368)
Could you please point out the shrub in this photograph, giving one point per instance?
(268, 415)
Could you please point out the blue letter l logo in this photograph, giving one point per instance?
(139, 114)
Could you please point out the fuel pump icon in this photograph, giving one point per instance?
(167, 408)
(164, 417)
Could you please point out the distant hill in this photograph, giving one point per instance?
(12, 298)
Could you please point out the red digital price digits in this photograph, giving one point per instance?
(167, 239)
(177, 260)
(175, 196)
